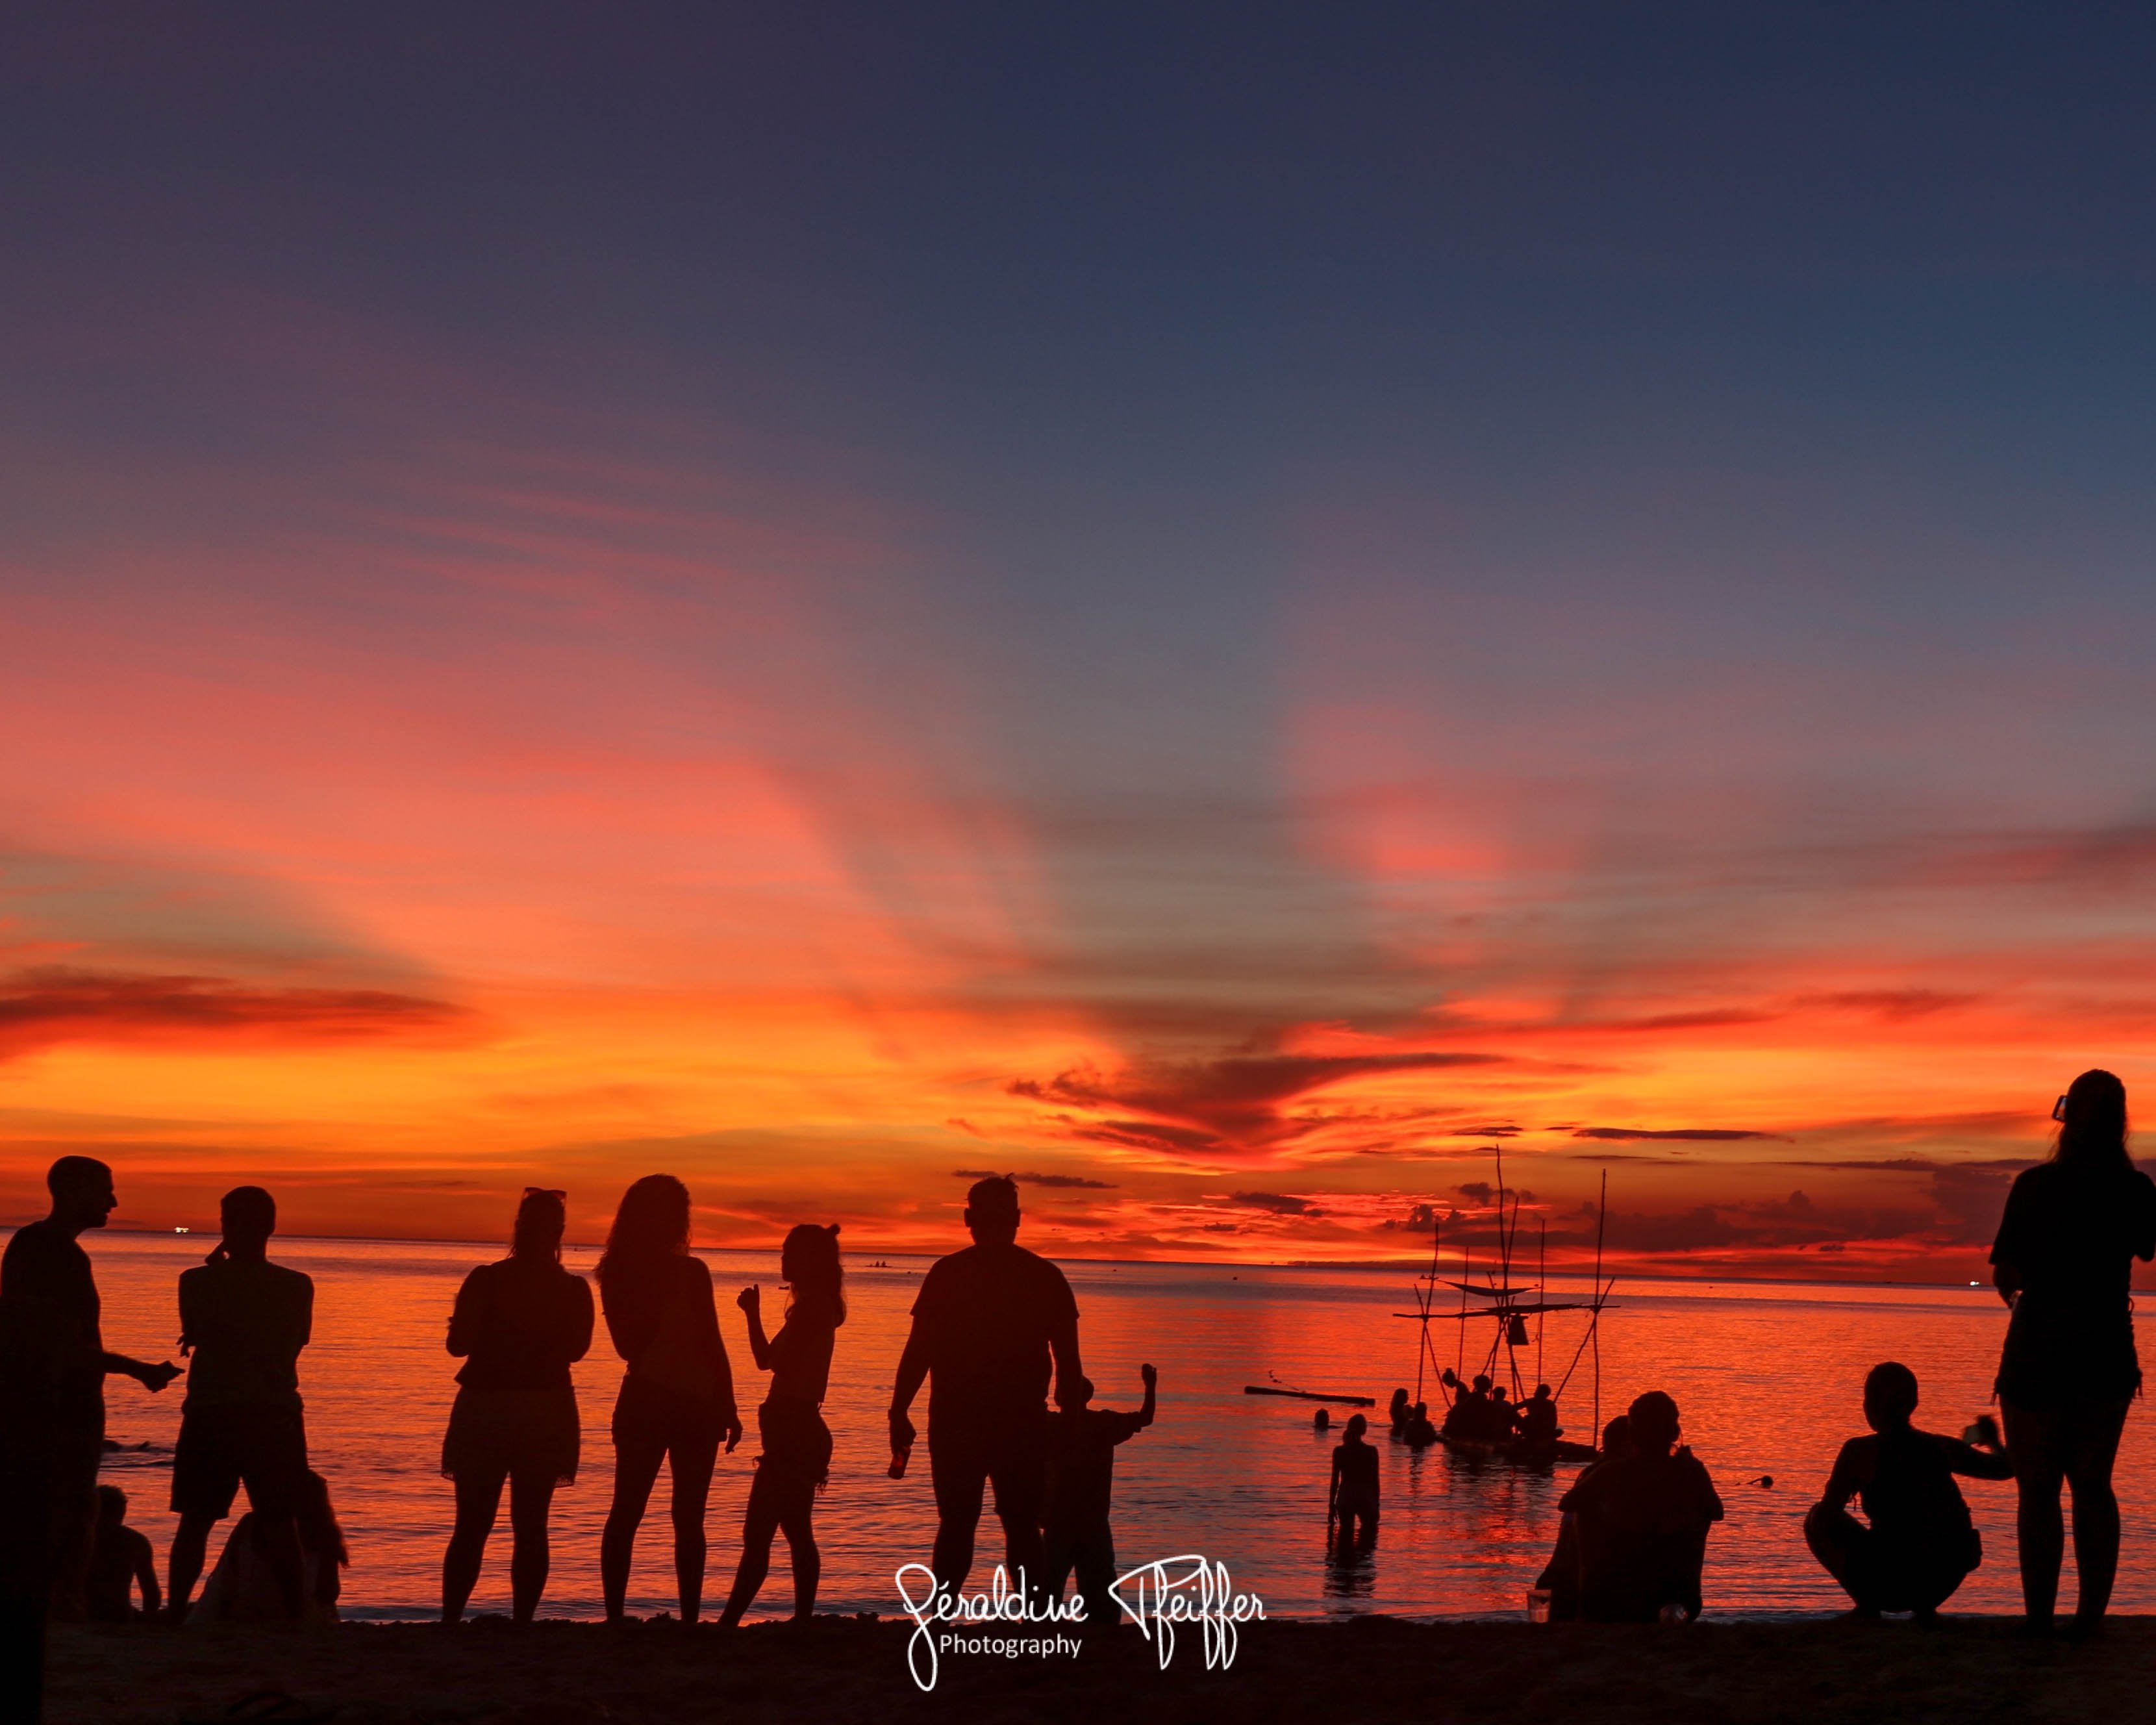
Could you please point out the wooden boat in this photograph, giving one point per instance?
(1509, 1306)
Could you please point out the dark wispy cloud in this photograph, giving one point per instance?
(1235, 1102)
(42, 1007)
(1277, 1204)
(1067, 1183)
(1688, 1134)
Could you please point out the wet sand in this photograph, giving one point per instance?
(841, 1670)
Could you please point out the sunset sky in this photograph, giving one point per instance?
(1218, 606)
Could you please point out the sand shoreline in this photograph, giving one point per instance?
(490, 1673)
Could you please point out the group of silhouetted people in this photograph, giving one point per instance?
(994, 1327)
(1632, 1541)
(991, 1325)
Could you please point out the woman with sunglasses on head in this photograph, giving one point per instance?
(2062, 1261)
(677, 1402)
(519, 1326)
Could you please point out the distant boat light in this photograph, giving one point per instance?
(182, 1230)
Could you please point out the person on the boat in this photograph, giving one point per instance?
(1642, 1519)
(1351, 1503)
(1537, 1421)
(1560, 1576)
(1399, 1413)
(1921, 1542)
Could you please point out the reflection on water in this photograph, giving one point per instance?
(1767, 1375)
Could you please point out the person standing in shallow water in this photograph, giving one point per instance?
(797, 1444)
(2062, 1261)
(676, 1404)
(1352, 1501)
(987, 1323)
(519, 1325)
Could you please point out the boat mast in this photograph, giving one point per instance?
(1601, 1222)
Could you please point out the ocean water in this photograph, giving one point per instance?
(1766, 1376)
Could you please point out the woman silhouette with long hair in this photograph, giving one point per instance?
(797, 1444)
(519, 1325)
(2062, 1261)
(677, 1402)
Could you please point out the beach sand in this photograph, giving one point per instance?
(843, 1670)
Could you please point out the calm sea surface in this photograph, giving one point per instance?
(1767, 1375)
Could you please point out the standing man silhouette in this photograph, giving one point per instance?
(246, 1320)
(53, 1368)
(986, 1326)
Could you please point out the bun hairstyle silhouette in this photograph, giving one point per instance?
(809, 1261)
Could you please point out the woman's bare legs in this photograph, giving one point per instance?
(531, 1498)
(635, 1469)
(478, 1501)
(692, 1465)
(2051, 1449)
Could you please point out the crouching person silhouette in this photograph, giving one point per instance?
(1921, 1543)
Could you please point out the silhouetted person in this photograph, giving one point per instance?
(1921, 1542)
(519, 1325)
(1352, 1499)
(52, 1367)
(1080, 1489)
(120, 1562)
(1419, 1434)
(986, 1324)
(1400, 1412)
(1642, 1519)
(677, 1402)
(797, 1444)
(245, 1586)
(1560, 1576)
(245, 1320)
(2072, 1228)
(1537, 1421)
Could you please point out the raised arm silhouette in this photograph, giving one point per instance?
(2062, 1261)
(676, 1404)
(988, 1323)
(519, 1325)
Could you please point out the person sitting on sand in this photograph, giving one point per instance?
(1537, 1421)
(1560, 1576)
(797, 1444)
(121, 1561)
(1642, 1519)
(1352, 1503)
(1921, 1543)
(245, 1588)
(1081, 1484)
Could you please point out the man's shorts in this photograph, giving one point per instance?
(222, 1446)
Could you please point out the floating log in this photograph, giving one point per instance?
(1310, 1395)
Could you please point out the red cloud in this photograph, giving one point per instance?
(43, 1007)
